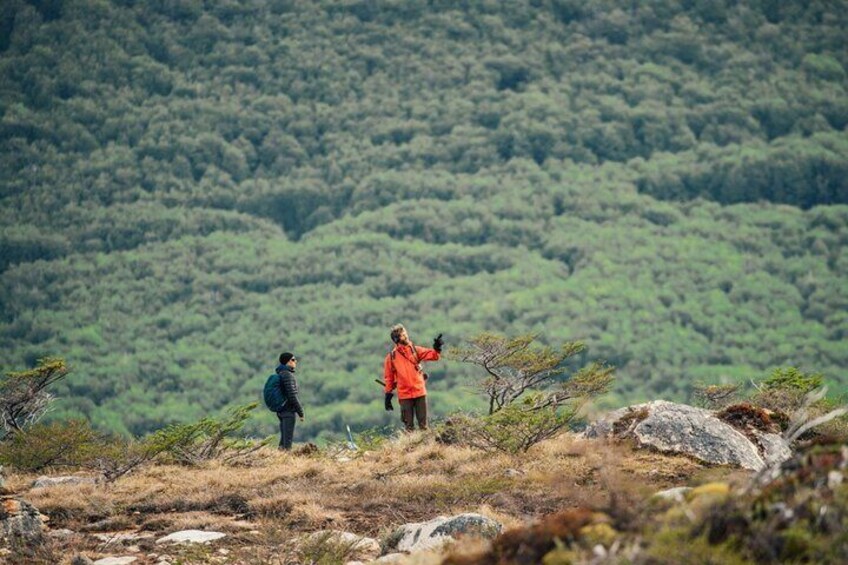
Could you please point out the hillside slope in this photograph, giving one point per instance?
(189, 188)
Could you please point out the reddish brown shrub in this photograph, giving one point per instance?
(745, 416)
(529, 545)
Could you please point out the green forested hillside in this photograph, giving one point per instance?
(189, 187)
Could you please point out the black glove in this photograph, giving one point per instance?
(438, 343)
(389, 406)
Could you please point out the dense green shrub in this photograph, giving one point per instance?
(785, 389)
(515, 428)
(71, 444)
(790, 378)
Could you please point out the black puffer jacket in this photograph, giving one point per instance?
(289, 385)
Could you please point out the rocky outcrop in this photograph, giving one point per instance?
(19, 519)
(679, 428)
(435, 533)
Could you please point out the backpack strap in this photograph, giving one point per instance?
(414, 354)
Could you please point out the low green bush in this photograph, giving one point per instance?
(515, 428)
(70, 444)
(209, 438)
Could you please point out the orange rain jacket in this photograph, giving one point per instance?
(400, 370)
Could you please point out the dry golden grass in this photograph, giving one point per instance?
(409, 479)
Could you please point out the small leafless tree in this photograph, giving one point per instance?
(23, 395)
(513, 367)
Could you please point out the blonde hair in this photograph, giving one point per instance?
(396, 329)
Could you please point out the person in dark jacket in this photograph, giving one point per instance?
(291, 407)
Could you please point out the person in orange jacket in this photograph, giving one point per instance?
(402, 370)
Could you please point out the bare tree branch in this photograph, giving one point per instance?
(23, 396)
(514, 367)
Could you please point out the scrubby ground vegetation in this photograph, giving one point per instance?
(406, 479)
(586, 495)
(563, 498)
(189, 187)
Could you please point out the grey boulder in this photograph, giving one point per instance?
(679, 428)
(775, 449)
(19, 520)
(435, 533)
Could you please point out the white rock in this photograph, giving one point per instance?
(45, 482)
(834, 479)
(191, 536)
(676, 494)
(116, 560)
(433, 535)
(120, 537)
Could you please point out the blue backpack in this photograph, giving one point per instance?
(273, 394)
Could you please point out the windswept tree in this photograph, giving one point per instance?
(530, 396)
(514, 367)
(23, 395)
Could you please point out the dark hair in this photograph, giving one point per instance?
(286, 357)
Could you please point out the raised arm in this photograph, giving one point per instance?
(427, 354)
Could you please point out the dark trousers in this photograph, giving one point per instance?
(287, 420)
(414, 407)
